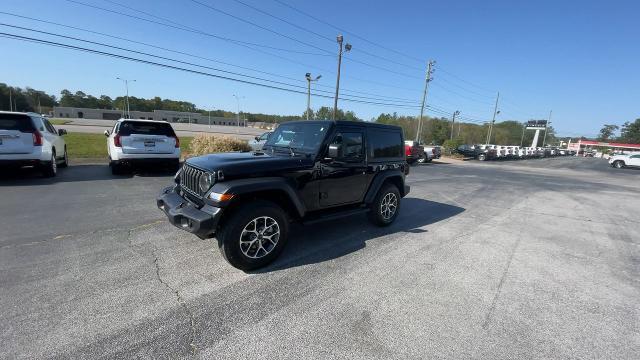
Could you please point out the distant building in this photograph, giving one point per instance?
(159, 115)
(590, 145)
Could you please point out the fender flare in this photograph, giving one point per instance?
(254, 185)
(379, 179)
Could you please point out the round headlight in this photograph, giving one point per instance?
(205, 182)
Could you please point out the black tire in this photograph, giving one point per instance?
(245, 255)
(423, 159)
(482, 157)
(116, 169)
(50, 169)
(618, 164)
(378, 213)
(65, 161)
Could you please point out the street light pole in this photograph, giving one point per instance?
(453, 120)
(10, 100)
(309, 80)
(238, 116)
(126, 85)
(347, 47)
(209, 117)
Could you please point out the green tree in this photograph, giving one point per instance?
(607, 132)
(630, 132)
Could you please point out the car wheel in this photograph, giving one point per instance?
(423, 159)
(482, 157)
(51, 168)
(618, 164)
(116, 169)
(65, 161)
(254, 235)
(384, 208)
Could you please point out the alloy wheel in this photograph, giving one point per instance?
(259, 237)
(388, 206)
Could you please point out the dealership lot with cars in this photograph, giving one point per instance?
(527, 259)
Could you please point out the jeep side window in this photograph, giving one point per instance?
(352, 149)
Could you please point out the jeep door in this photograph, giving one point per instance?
(345, 179)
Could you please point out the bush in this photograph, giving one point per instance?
(452, 145)
(203, 144)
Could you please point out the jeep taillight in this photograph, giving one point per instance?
(37, 138)
(177, 141)
(116, 141)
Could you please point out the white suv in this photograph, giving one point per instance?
(137, 142)
(625, 160)
(28, 139)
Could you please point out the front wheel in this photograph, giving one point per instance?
(51, 168)
(254, 235)
(618, 164)
(482, 157)
(65, 160)
(423, 159)
(384, 209)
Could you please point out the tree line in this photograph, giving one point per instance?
(629, 132)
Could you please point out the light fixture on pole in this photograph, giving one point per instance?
(347, 47)
(126, 85)
(309, 80)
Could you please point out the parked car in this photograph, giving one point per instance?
(257, 142)
(414, 152)
(480, 152)
(627, 160)
(28, 139)
(433, 151)
(134, 142)
(308, 171)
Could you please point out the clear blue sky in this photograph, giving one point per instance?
(579, 58)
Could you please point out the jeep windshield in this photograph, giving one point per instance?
(297, 138)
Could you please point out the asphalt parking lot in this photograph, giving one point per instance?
(526, 259)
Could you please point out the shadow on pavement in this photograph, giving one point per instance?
(73, 173)
(333, 239)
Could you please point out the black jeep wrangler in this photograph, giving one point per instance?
(307, 171)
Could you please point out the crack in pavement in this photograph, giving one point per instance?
(181, 302)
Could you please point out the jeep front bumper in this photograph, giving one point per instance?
(186, 216)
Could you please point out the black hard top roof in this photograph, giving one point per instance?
(349, 123)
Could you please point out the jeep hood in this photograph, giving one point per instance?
(249, 164)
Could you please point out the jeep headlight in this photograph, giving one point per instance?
(176, 177)
(205, 182)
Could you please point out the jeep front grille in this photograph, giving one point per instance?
(189, 179)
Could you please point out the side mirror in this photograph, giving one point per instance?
(257, 138)
(62, 132)
(334, 151)
(107, 133)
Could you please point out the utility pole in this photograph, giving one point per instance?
(309, 80)
(427, 80)
(522, 138)
(10, 100)
(39, 106)
(495, 112)
(545, 128)
(347, 47)
(459, 126)
(209, 117)
(453, 120)
(126, 85)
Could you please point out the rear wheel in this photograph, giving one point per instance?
(618, 164)
(116, 169)
(482, 157)
(50, 169)
(254, 235)
(65, 160)
(384, 208)
(423, 159)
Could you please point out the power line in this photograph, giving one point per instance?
(345, 31)
(261, 27)
(173, 67)
(190, 29)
